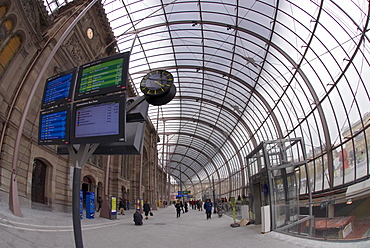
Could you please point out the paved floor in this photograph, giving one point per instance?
(39, 229)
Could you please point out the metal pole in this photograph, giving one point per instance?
(140, 184)
(167, 166)
(79, 155)
(310, 210)
(214, 195)
(76, 207)
(151, 161)
(181, 186)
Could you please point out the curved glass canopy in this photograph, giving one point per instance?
(251, 71)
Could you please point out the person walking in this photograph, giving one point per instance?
(121, 206)
(199, 203)
(208, 207)
(127, 204)
(100, 202)
(178, 209)
(146, 209)
(182, 207)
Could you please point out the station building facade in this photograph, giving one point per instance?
(44, 178)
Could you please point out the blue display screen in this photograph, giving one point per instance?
(58, 88)
(53, 127)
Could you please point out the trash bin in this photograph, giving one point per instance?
(90, 205)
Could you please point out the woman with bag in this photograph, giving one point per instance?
(146, 209)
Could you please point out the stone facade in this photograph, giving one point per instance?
(129, 175)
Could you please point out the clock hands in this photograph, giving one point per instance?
(158, 83)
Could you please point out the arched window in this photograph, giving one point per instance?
(5, 29)
(3, 10)
(97, 160)
(8, 52)
(9, 41)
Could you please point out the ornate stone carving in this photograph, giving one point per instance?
(24, 52)
(92, 171)
(73, 46)
(31, 12)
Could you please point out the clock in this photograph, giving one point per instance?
(90, 33)
(163, 99)
(156, 83)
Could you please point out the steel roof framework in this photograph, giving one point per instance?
(246, 72)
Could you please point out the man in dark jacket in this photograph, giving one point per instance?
(146, 209)
(121, 206)
(208, 207)
(178, 209)
(138, 218)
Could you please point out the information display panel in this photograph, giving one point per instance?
(102, 76)
(132, 146)
(54, 126)
(59, 89)
(100, 120)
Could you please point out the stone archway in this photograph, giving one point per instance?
(88, 185)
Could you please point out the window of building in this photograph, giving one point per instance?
(96, 160)
(10, 42)
(3, 10)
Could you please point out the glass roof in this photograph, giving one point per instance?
(246, 72)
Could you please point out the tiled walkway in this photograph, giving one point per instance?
(45, 229)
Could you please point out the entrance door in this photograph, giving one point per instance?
(286, 199)
(257, 204)
(38, 182)
(86, 187)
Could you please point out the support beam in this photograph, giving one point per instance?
(79, 156)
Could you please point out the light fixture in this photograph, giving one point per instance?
(349, 202)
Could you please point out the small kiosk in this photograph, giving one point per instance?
(113, 208)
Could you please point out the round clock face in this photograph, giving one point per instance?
(90, 33)
(156, 83)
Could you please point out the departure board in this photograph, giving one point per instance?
(58, 89)
(100, 120)
(54, 126)
(97, 120)
(103, 76)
